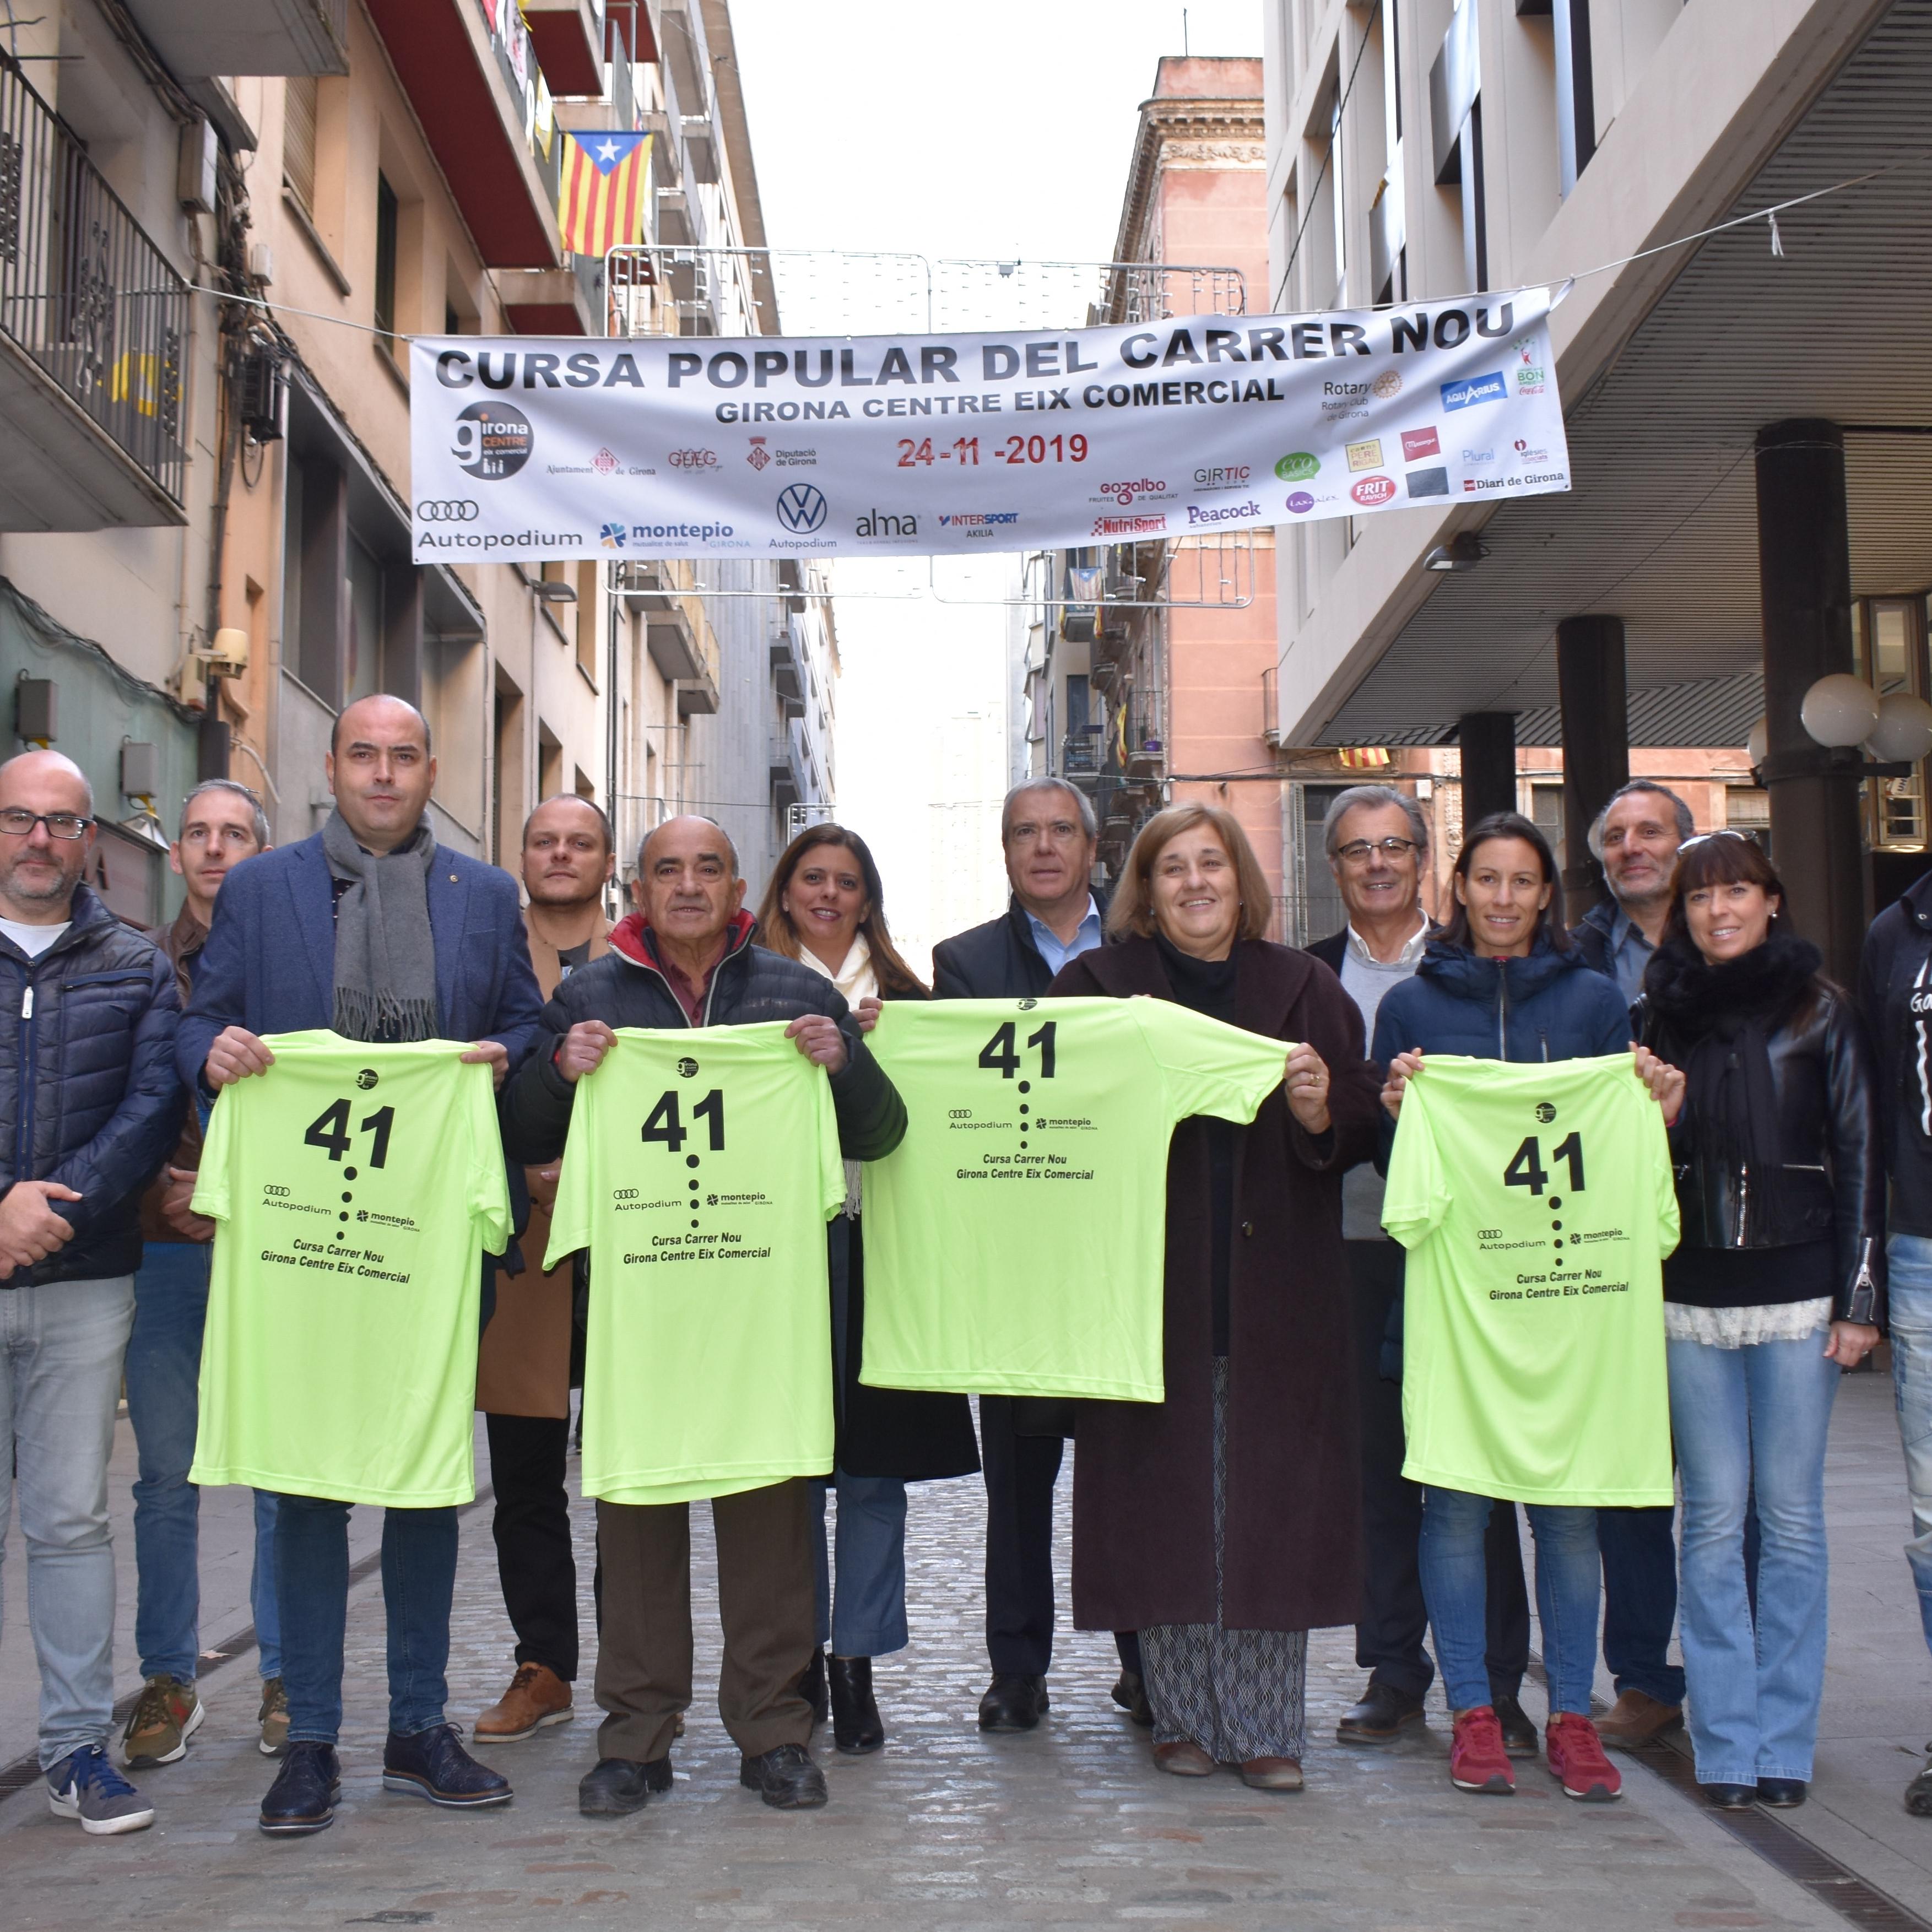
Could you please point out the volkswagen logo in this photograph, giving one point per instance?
(801, 507)
(459, 510)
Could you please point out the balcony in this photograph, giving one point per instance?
(569, 38)
(469, 81)
(789, 758)
(1080, 754)
(93, 322)
(197, 38)
(791, 678)
(554, 302)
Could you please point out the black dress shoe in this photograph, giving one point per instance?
(1012, 1703)
(1518, 1733)
(433, 1764)
(1130, 1693)
(1380, 1718)
(812, 1688)
(302, 1799)
(1730, 1797)
(856, 1725)
(1782, 1794)
(785, 1778)
(615, 1786)
(1919, 1792)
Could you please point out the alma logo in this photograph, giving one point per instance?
(1298, 467)
(1372, 492)
(882, 523)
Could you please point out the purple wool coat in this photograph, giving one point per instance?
(1143, 1477)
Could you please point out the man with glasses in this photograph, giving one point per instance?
(222, 823)
(1048, 831)
(89, 1106)
(1377, 840)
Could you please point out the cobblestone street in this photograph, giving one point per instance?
(946, 1828)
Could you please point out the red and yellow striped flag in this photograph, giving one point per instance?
(600, 201)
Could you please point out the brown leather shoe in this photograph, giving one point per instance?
(1273, 1774)
(1184, 1758)
(1637, 1719)
(537, 1697)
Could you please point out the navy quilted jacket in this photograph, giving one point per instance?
(89, 1094)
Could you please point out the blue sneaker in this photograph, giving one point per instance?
(86, 1786)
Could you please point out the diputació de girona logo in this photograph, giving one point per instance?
(492, 440)
(802, 507)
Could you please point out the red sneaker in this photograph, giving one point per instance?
(1476, 1759)
(1577, 1756)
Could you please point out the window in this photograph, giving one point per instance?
(1318, 909)
(1888, 645)
(1547, 814)
(1337, 201)
(362, 659)
(386, 213)
(299, 124)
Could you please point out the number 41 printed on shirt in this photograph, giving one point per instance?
(1001, 1055)
(1526, 1168)
(330, 1129)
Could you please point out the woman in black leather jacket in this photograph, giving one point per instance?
(1776, 1285)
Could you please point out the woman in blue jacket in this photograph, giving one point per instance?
(1503, 983)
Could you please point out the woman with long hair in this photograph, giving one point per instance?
(1207, 1522)
(825, 907)
(1777, 1286)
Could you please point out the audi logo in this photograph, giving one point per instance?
(459, 510)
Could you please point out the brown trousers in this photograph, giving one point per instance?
(764, 1602)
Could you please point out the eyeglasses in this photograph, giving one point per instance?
(18, 823)
(1356, 853)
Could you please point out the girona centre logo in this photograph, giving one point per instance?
(801, 507)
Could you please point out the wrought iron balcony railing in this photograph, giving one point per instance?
(83, 291)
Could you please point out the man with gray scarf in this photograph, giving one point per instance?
(370, 928)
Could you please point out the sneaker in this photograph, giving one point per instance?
(86, 1786)
(167, 1714)
(273, 1718)
(1575, 1754)
(433, 1764)
(1476, 1759)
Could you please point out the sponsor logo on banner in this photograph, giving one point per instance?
(801, 509)
(1373, 491)
(879, 522)
(1417, 443)
(1128, 526)
(1387, 384)
(1346, 399)
(693, 459)
(1228, 514)
(758, 455)
(1474, 459)
(1124, 493)
(1298, 467)
(446, 510)
(1524, 454)
(492, 440)
(1222, 476)
(1471, 390)
(975, 520)
(796, 459)
(612, 536)
(1301, 502)
(605, 463)
(1531, 378)
(1366, 455)
(1433, 481)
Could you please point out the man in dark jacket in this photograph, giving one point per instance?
(1047, 832)
(372, 928)
(90, 1107)
(685, 959)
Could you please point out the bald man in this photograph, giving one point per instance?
(89, 1107)
(371, 928)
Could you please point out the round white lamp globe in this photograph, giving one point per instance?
(1757, 742)
(1840, 710)
(1904, 732)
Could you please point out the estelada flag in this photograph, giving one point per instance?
(600, 200)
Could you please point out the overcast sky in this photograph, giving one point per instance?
(1000, 130)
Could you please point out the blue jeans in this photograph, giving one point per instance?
(1745, 1418)
(1910, 1256)
(61, 1349)
(312, 1580)
(867, 1617)
(163, 1371)
(1640, 1548)
(1454, 1585)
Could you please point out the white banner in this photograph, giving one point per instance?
(708, 446)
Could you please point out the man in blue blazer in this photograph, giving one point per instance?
(370, 928)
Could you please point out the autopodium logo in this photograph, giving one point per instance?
(801, 507)
(446, 510)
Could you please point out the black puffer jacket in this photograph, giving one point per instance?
(748, 985)
(88, 1095)
(1830, 1183)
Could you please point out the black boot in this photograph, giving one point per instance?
(811, 1686)
(855, 1727)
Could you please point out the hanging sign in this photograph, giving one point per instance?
(858, 446)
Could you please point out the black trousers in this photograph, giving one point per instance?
(1394, 1618)
(1021, 1471)
(531, 1525)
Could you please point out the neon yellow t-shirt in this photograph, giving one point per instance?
(1015, 1240)
(701, 1168)
(1536, 1205)
(357, 1187)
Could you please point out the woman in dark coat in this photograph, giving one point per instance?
(1223, 1523)
(825, 908)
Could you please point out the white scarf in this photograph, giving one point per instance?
(856, 980)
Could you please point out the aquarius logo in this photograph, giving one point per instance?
(801, 507)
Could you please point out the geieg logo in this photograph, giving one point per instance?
(1124, 493)
(693, 459)
(802, 507)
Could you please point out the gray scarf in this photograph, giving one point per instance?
(385, 957)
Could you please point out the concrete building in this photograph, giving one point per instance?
(1745, 429)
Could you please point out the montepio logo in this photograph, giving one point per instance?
(1124, 493)
(1474, 389)
(884, 523)
(1372, 492)
(612, 537)
(1128, 526)
(1298, 467)
(605, 463)
(758, 455)
(687, 1068)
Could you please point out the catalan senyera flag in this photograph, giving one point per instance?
(600, 199)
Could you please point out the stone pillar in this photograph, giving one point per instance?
(1488, 739)
(1805, 577)
(1596, 744)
